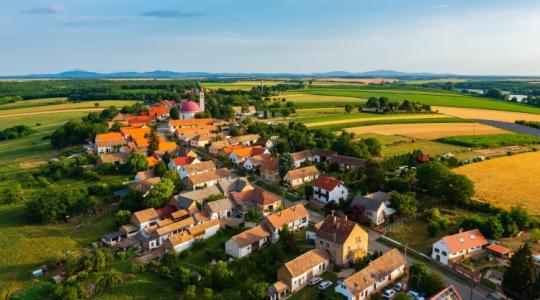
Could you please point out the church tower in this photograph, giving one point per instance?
(201, 99)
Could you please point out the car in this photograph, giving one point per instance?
(324, 285)
(398, 286)
(389, 293)
(314, 281)
(416, 295)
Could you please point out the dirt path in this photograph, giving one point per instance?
(53, 112)
(396, 117)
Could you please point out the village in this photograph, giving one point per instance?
(239, 182)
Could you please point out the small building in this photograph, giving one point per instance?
(219, 209)
(376, 207)
(378, 274)
(155, 237)
(197, 169)
(270, 170)
(117, 158)
(178, 162)
(112, 238)
(449, 293)
(202, 140)
(498, 250)
(254, 162)
(109, 142)
(175, 124)
(347, 163)
(217, 146)
(295, 217)
(258, 199)
(301, 156)
(144, 218)
(246, 140)
(248, 110)
(452, 247)
(321, 155)
(196, 196)
(328, 189)
(240, 155)
(143, 175)
(344, 240)
(244, 243)
(208, 179)
(185, 239)
(301, 176)
(298, 272)
(268, 142)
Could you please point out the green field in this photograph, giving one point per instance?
(85, 105)
(490, 141)
(305, 100)
(344, 116)
(437, 80)
(336, 127)
(430, 97)
(244, 85)
(32, 103)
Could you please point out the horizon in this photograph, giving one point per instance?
(442, 37)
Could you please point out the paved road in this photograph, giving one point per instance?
(512, 127)
(479, 293)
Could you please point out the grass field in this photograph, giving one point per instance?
(437, 80)
(344, 125)
(303, 100)
(33, 103)
(239, 85)
(497, 115)
(507, 181)
(335, 119)
(490, 141)
(85, 105)
(428, 132)
(430, 97)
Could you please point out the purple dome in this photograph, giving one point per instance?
(190, 107)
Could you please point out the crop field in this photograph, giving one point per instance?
(430, 97)
(349, 118)
(239, 85)
(428, 132)
(490, 141)
(65, 107)
(438, 80)
(507, 181)
(302, 100)
(497, 115)
(356, 80)
(32, 103)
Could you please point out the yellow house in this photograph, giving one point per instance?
(343, 239)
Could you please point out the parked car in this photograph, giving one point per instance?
(416, 295)
(398, 286)
(389, 293)
(324, 285)
(314, 281)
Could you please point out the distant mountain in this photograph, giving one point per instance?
(80, 74)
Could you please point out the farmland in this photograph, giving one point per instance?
(430, 97)
(469, 113)
(239, 85)
(304, 100)
(507, 181)
(349, 118)
(489, 141)
(429, 132)
(63, 107)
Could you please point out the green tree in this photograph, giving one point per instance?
(373, 145)
(348, 108)
(402, 296)
(421, 279)
(308, 191)
(520, 216)
(286, 163)
(235, 131)
(520, 278)
(405, 204)
(173, 176)
(174, 113)
(207, 294)
(256, 290)
(122, 217)
(183, 277)
(14, 194)
(153, 144)
(159, 169)
(107, 279)
(375, 176)
(132, 201)
(220, 275)
(160, 194)
(136, 162)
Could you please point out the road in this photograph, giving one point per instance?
(479, 293)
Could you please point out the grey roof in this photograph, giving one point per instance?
(219, 205)
(366, 202)
(233, 185)
(198, 195)
(112, 235)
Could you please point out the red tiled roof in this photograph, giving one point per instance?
(327, 183)
(465, 240)
(498, 249)
(256, 195)
(165, 211)
(158, 111)
(183, 160)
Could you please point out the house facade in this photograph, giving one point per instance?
(295, 217)
(376, 207)
(328, 189)
(452, 247)
(197, 169)
(343, 239)
(244, 243)
(301, 176)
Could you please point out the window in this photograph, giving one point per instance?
(444, 253)
(436, 250)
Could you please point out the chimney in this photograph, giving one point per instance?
(345, 217)
(460, 230)
(333, 211)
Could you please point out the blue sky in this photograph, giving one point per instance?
(461, 36)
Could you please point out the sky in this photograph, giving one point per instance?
(469, 37)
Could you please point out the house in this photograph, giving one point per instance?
(143, 175)
(175, 124)
(145, 185)
(178, 162)
(344, 240)
(301, 156)
(246, 140)
(117, 158)
(268, 142)
(248, 241)
(239, 184)
(270, 170)
(244, 110)
(448, 293)
(452, 247)
(254, 162)
(109, 142)
(185, 239)
(240, 155)
(219, 209)
(202, 140)
(152, 161)
(296, 273)
(144, 218)
(155, 237)
(327, 189)
(196, 196)
(347, 163)
(112, 238)
(321, 155)
(258, 199)
(159, 112)
(301, 176)
(378, 274)
(170, 147)
(295, 217)
(216, 147)
(376, 207)
(208, 179)
(197, 169)
(499, 250)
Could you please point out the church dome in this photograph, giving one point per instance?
(190, 107)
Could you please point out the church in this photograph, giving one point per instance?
(188, 109)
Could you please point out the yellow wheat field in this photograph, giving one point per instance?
(387, 117)
(428, 131)
(507, 181)
(488, 114)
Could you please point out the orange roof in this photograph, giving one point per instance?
(327, 183)
(243, 152)
(138, 119)
(191, 122)
(167, 146)
(183, 160)
(229, 149)
(158, 111)
(498, 249)
(306, 262)
(465, 240)
(287, 216)
(109, 136)
(139, 132)
(152, 161)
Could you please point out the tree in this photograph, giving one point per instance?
(308, 191)
(159, 194)
(405, 204)
(520, 216)
(520, 277)
(373, 145)
(493, 228)
(402, 296)
(14, 194)
(375, 177)
(159, 169)
(436, 180)
(286, 163)
(257, 291)
(132, 201)
(348, 108)
(183, 277)
(220, 275)
(421, 279)
(174, 112)
(234, 131)
(173, 176)
(153, 144)
(287, 239)
(166, 158)
(136, 162)
(207, 294)
(190, 293)
(122, 217)
(106, 279)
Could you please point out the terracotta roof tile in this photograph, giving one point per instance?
(327, 183)
(465, 240)
(286, 216)
(306, 262)
(302, 172)
(250, 236)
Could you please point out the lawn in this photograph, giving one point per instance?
(142, 286)
(430, 97)
(492, 141)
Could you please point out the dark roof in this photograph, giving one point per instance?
(165, 211)
(348, 160)
(336, 228)
(112, 235)
(323, 152)
(368, 203)
(449, 293)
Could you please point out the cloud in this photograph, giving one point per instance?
(43, 10)
(442, 6)
(170, 14)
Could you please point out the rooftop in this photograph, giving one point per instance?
(305, 262)
(302, 172)
(465, 240)
(327, 183)
(250, 236)
(286, 216)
